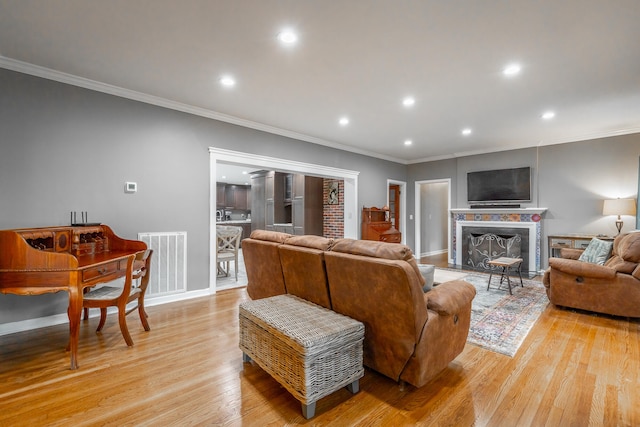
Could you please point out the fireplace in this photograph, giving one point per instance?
(482, 244)
(485, 234)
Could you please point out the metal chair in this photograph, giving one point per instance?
(135, 287)
(228, 245)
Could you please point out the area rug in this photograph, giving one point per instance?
(500, 322)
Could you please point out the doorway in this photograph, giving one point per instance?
(433, 220)
(350, 180)
(396, 202)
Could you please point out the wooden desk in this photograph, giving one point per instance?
(506, 263)
(43, 260)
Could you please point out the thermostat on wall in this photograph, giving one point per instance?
(130, 187)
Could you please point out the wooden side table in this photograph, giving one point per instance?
(506, 264)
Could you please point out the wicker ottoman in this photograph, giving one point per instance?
(308, 349)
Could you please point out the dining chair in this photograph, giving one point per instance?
(228, 244)
(134, 289)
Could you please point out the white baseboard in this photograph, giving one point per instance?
(57, 319)
(432, 253)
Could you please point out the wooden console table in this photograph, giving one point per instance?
(36, 261)
(572, 241)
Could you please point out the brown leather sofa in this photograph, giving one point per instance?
(410, 335)
(612, 288)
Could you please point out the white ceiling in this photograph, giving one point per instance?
(357, 58)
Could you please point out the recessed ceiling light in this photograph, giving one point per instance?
(409, 101)
(466, 131)
(512, 70)
(223, 177)
(244, 172)
(287, 37)
(408, 142)
(343, 121)
(548, 115)
(227, 81)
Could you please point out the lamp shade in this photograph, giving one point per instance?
(619, 207)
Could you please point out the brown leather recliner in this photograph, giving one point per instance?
(410, 335)
(612, 288)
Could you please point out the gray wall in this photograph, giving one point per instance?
(571, 180)
(65, 148)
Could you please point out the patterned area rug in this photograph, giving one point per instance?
(500, 322)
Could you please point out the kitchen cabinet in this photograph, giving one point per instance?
(271, 210)
(236, 196)
(220, 195)
(306, 205)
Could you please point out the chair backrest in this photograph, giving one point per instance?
(228, 238)
(141, 268)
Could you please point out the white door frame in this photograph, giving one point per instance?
(403, 205)
(418, 214)
(349, 177)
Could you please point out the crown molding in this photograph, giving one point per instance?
(70, 79)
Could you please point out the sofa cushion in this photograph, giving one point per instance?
(270, 236)
(310, 241)
(371, 248)
(597, 252)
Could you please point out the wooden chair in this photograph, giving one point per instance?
(228, 245)
(135, 287)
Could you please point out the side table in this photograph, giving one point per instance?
(506, 263)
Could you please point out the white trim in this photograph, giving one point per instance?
(489, 210)
(432, 253)
(349, 177)
(418, 202)
(58, 319)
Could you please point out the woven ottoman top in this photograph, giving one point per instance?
(306, 326)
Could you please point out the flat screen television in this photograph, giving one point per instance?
(499, 186)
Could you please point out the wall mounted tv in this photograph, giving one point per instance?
(499, 186)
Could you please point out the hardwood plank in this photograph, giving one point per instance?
(574, 368)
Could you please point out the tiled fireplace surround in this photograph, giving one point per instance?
(501, 221)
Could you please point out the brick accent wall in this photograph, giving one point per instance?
(333, 224)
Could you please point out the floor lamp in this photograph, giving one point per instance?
(619, 207)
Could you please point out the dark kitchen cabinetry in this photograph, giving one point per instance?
(236, 196)
(306, 205)
(232, 196)
(291, 203)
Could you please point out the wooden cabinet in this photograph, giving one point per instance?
(573, 241)
(291, 203)
(376, 226)
(306, 205)
(258, 219)
(232, 196)
(220, 195)
(236, 196)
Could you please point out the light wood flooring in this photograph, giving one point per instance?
(573, 369)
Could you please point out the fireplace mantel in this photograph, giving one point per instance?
(502, 217)
(488, 210)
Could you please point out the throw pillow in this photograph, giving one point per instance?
(427, 271)
(597, 252)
